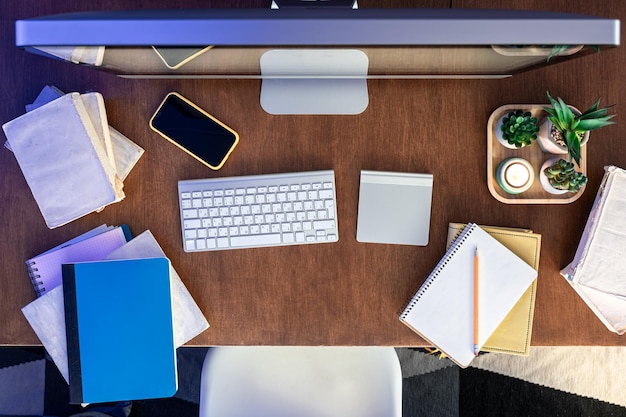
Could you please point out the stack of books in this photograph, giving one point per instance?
(514, 334)
(598, 271)
(72, 160)
(480, 296)
(111, 313)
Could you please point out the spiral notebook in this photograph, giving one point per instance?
(514, 334)
(442, 310)
(44, 270)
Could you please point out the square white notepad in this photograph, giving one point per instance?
(394, 208)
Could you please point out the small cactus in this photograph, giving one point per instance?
(519, 128)
(563, 176)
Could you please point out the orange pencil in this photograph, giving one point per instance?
(476, 301)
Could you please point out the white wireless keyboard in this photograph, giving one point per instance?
(258, 211)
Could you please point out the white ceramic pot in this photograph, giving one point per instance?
(543, 179)
(501, 140)
(545, 141)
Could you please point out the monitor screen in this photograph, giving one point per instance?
(322, 43)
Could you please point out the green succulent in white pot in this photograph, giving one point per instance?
(566, 129)
(559, 176)
(517, 129)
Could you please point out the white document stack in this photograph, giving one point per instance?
(72, 160)
(598, 271)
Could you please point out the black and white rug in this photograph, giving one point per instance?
(552, 381)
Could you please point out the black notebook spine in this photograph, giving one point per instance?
(71, 330)
(35, 278)
(440, 266)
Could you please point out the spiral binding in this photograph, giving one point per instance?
(440, 266)
(35, 278)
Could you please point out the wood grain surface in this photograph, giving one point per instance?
(345, 293)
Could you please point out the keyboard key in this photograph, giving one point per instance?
(324, 194)
(324, 224)
(192, 224)
(190, 214)
(255, 240)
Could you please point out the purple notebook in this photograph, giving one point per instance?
(45, 269)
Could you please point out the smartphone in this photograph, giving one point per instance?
(193, 130)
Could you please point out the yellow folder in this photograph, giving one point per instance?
(514, 334)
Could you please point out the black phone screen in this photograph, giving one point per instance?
(194, 130)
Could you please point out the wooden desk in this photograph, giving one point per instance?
(344, 293)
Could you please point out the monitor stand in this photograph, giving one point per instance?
(314, 81)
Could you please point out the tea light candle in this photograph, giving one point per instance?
(515, 175)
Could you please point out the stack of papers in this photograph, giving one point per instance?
(46, 314)
(598, 271)
(72, 160)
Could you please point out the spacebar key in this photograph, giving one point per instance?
(255, 240)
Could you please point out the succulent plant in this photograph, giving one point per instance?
(562, 175)
(519, 128)
(572, 126)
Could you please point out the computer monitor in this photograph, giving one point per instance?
(317, 60)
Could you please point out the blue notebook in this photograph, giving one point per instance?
(120, 337)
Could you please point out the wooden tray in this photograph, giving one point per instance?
(533, 154)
